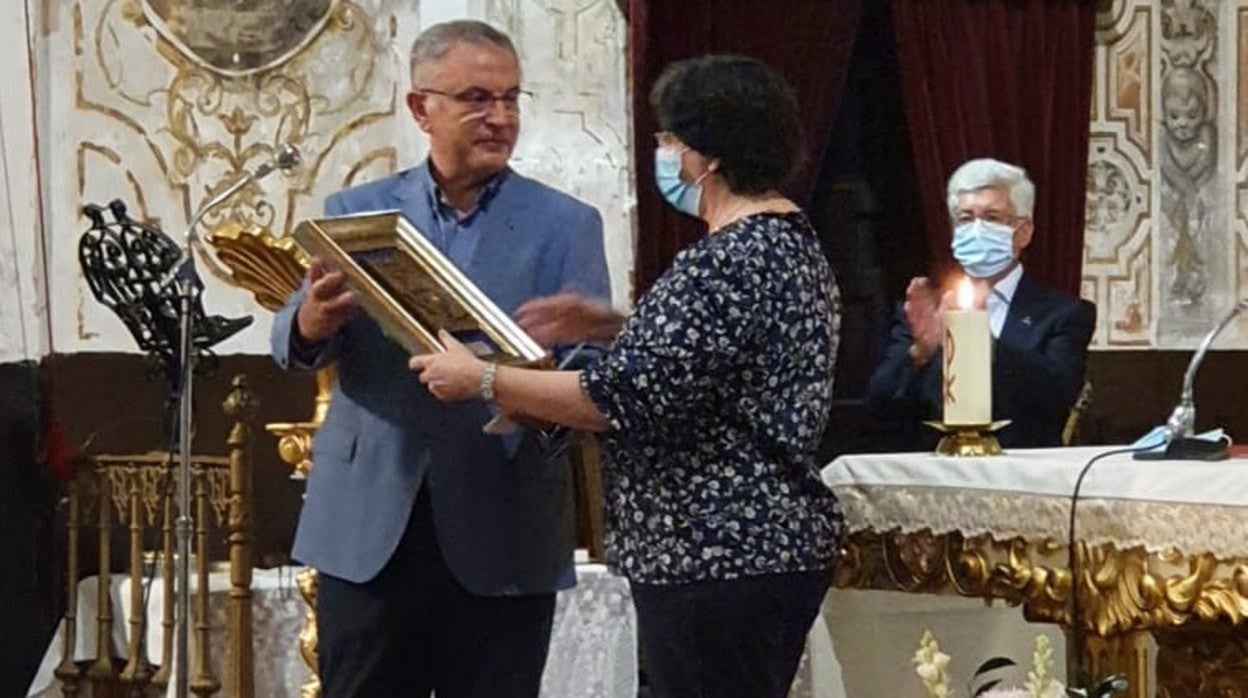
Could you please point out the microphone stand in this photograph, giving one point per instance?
(1180, 444)
(186, 298)
(188, 283)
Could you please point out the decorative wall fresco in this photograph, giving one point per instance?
(1165, 236)
(165, 103)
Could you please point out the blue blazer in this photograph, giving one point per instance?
(503, 512)
(1037, 370)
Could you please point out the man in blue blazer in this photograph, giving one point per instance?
(1041, 334)
(440, 547)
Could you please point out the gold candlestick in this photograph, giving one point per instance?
(966, 381)
(968, 439)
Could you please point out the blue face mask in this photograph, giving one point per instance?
(983, 248)
(679, 193)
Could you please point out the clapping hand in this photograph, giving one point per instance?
(922, 308)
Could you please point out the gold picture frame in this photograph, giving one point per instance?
(411, 289)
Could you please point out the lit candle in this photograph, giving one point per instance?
(967, 362)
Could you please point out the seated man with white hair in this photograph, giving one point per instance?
(1041, 333)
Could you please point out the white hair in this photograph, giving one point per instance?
(982, 173)
(435, 42)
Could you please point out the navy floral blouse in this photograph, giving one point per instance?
(717, 392)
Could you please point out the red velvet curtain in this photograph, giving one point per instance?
(1010, 79)
(808, 41)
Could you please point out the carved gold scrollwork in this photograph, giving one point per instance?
(915, 562)
(1121, 590)
(307, 582)
(270, 268)
(1195, 605)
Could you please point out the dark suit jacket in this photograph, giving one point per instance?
(1037, 370)
(502, 510)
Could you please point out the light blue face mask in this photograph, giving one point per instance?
(683, 195)
(984, 249)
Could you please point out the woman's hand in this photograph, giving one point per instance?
(567, 318)
(453, 375)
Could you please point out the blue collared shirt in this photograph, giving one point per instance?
(456, 233)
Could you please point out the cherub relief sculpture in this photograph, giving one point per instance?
(1189, 150)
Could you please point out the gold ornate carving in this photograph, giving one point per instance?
(1122, 592)
(270, 268)
(307, 582)
(294, 445)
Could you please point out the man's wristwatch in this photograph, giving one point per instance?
(487, 382)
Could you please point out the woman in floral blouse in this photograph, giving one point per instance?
(712, 399)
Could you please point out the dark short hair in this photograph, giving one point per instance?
(736, 109)
(436, 41)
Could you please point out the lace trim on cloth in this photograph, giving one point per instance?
(1154, 526)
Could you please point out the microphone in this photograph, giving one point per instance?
(285, 159)
(1181, 424)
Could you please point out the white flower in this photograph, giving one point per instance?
(932, 666)
(1039, 683)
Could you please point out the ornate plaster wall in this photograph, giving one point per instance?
(1166, 242)
(164, 103)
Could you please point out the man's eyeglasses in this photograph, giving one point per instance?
(987, 217)
(479, 101)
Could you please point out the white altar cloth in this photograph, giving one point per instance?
(593, 652)
(1187, 505)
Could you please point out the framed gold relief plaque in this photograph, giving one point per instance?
(411, 289)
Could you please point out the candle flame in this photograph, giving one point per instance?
(966, 294)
